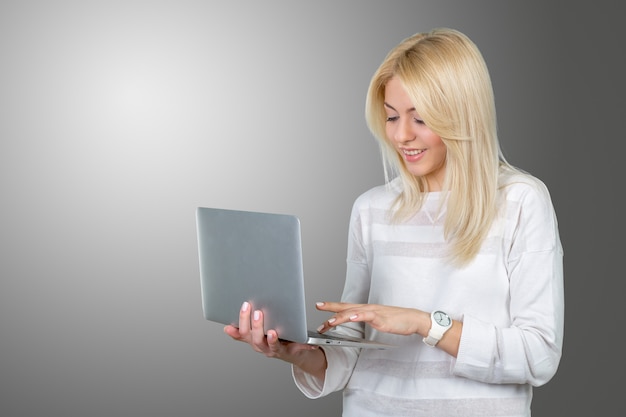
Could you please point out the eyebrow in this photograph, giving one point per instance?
(412, 109)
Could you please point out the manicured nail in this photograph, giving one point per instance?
(319, 304)
(331, 320)
(257, 314)
(319, 329)
(353, 317)
(245, 306)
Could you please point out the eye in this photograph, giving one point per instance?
(419, 121)
(392, 118)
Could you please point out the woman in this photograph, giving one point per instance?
(458, 249)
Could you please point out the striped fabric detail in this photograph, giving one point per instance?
(381, 405)
(403, 370)
(427, 250)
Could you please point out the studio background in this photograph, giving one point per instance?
(118, 119)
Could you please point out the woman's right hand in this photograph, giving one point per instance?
(308, 357)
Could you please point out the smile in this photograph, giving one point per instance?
(412, 152)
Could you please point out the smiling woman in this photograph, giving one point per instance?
(460, 250)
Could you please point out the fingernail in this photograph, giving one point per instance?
(245, 306)
(353, 317)
(319, 304)
(331, 320)
(257, 314)
(319, 329)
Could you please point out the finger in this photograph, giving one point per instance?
(347, 313)
(233, 332)
(273, 342)
(244, 319)
(257, 333)
(335, 307)
(336, 321)
(330, 323)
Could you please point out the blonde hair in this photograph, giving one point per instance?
(448, 81)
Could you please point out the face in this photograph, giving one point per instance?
(423, 152)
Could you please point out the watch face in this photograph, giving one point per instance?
(442, 318)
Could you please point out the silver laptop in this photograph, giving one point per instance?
(257, 257)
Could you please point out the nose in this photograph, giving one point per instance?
(403, 131)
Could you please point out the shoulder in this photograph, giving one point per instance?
(381, 196)
(529, 210)
(524, 188)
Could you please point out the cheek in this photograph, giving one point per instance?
(434, 140)
(439, 147)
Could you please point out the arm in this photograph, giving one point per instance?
(529, 349)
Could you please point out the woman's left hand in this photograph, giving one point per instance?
(397, 320)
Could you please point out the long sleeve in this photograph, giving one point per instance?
(529, 349)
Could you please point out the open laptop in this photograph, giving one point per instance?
(257, 257)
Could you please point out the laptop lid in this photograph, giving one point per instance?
(256, 257)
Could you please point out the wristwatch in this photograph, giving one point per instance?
(441, 322)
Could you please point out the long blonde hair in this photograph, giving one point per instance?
(447, 79)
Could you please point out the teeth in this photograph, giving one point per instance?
(413, 152)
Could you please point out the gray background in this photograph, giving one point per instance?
(118, 119)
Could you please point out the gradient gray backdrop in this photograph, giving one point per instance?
(119, 118)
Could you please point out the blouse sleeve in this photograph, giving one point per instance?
(529, 350)
(341, 360)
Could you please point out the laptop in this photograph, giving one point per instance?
(257, 257)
